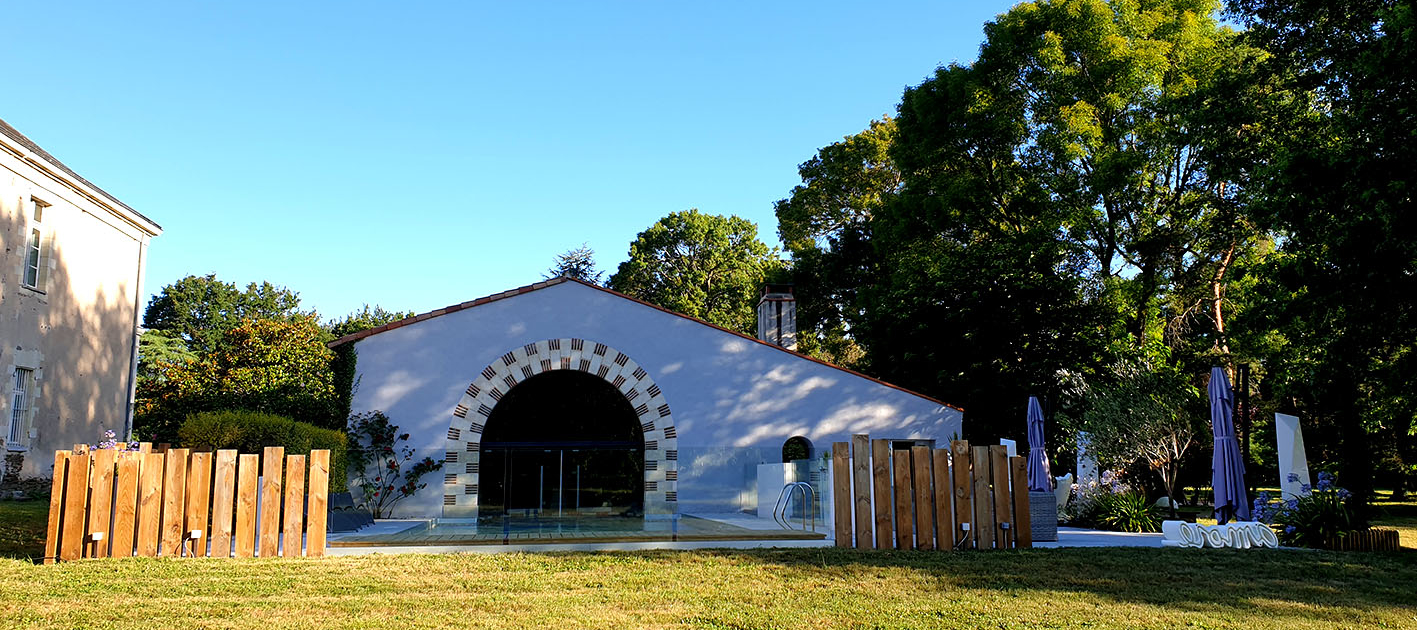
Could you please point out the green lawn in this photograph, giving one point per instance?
(1042, 588)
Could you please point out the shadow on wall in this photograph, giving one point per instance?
(84, 335)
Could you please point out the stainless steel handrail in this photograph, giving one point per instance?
(784, 501)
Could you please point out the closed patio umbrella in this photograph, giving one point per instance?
(1040, 479)
(1227, 469)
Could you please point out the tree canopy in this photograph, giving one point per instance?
(703, 265)
(578, 263)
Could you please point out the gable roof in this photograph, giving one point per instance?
(29, 145)
(351, 338)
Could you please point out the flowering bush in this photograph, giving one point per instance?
(110, 442)
(374, 455)
(1319, 514)
(1109, 504)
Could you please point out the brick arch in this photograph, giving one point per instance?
(464, 452)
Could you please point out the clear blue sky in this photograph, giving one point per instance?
(419, 154)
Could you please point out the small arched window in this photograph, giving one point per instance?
(795, 448)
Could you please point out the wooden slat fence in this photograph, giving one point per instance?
(962, 497)
(172, 502)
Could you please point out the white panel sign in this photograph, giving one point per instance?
(1242, 535)
(1010, 446)
(1087, 465)
(1289, 437)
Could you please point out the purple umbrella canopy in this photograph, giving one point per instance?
(1227, 469)
(1040, 479)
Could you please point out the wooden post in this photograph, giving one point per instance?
(125, 511)
(1003, 507)
(924, 507)
(199, 497)
(861, 488)
(963, 485)
(943, 490)
(247, 474)
(983, 500)
(56, 506)
(100, 502)
(841, 493)
(319, 504)
(294, 506)
(174, 486)
(76, 493)
(904, 524)
(272, 460)
(150, 504)
(1023, 521)
(223, 492)
(881, 484)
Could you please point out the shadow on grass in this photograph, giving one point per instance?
(1177, 578)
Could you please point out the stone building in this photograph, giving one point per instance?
(70, 302)
(565, 398)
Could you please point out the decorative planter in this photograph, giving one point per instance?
(1371, 539)
(1043, 508)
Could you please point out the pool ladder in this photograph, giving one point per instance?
(784, 501)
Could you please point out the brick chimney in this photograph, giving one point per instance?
(777, 316)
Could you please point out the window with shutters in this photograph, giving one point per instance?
(37, 249)
(20, 398)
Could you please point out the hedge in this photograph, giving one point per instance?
(250, 431)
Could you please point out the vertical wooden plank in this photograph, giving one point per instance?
(924, 507)
(100, 502)
(294, 505)
(1023, 521)
(56, 506)
(1003, 506)
(76, 494)
(272, 462)
(162, 448)
(199, 498)
(145, 447)
(150, 504)
(174, 486)
(944, 521)
(983, 499)
(881, 489)
(247, 475)
(861, 488)
(904, 524)
(125, 506)
(319, 505)
(963, 485)
(841, 492)
(223, 492)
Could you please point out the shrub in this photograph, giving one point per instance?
(1318, 515)
(1129, 512)
(1111, 505)
(250, 431)
(379, 464)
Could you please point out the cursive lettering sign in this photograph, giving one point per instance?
(1234, 535)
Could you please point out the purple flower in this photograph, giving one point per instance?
(1292, 504)
(1289, 529)
(1306, 488)
(1343, 494)
(1293, 477)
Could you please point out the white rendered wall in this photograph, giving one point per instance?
(735, 401)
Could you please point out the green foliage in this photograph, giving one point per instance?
(198, 310)
(702, 265)
(364, 319)
(271, 366)
(161, 347)
(250, 431)
(1315, 518)
(578, 263)
(1129, 512)
(1108, 504)
(382, 467)
(1141, 412)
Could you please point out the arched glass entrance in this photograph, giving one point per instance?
(562, 443)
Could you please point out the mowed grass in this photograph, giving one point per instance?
(1043, 588)
(1398, 515)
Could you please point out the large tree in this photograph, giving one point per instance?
(267, 365)
(1338, 185)
(198, 310)
(707, 266)
(825, 224)
(578, 263)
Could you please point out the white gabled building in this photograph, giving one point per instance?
(566, 397)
